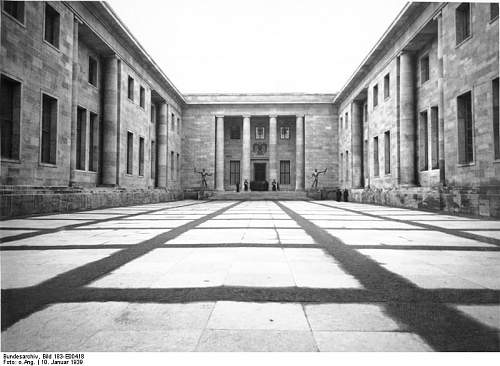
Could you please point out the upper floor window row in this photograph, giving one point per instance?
(462, 22)
(51, 26)
(15, 9)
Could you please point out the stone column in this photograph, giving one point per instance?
(219, 154)
(245, 152)
(357, 144)
(273, 171)
(110, 122)
(442, 175)
(299, 153)
(74, 103)
(407, 119)
(161, 158)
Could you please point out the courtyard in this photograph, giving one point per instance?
(250, 276)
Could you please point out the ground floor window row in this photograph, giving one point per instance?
(235, 172)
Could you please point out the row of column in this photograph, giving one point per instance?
(246, 147)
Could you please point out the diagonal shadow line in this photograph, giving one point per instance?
(455, 232)
(17, 304)
(90, 222)
(441, 326)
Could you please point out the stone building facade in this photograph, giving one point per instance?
(90, 120)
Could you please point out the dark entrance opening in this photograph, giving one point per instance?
(259, 183)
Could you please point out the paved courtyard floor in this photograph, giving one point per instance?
(250, 276)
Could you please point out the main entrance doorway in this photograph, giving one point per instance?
(259, 182)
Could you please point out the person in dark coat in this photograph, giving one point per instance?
(346, 195)
(339, 195)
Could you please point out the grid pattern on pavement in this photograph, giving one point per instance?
(250, 276)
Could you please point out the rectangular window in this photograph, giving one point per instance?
(462, 22)
(387, 152)
(172, 122)
(365, 159)
(172, 177)
(235, 131)
(285, 133)
(346, 120)
(341, 124)
(92, 71)
(434, 138)
(375, 157)
(153, 113)
(284, 172)
(423, 141)
(130, 152)
(375, 95)
(493, 11)
(142, 97)
(387, 86)
(141, 156)
(496, 127)
(347, 175)
(153, 160)
(465, 128)
(424, 69)
(10, 117)
(259, 133)
(81, 133)
(51, 25)
(15, 9)
(130, 87)
(234, 172)
(365, 115)
(341, 167)
(178, 167)
(93, 133)
(49, 130)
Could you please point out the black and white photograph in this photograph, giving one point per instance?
(236, 176)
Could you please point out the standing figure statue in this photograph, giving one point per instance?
(315, 176)
(204, 176)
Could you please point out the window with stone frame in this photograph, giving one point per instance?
(496, 127)
(130, 153)
(235, 131)
(234, 172)
(341, 167)
(93, 141)
(434, 138)
(92, 71)
(346, 120)
(81, 134)
(462, 22)
(178, 166)
(153, 160)
(141, 156)
(424, 69)
(52, 24)
(142, 97)
(465, 128)
(14, 9)
(375, 95)
(10, 117)
(172, 122)
(376, 170)
(493, 11)
(387, 86)
(48, 147)
(387, 152)
(284, 133)
(153, 113)
(284, 172)
(259, 133)
(130, 88)
(172, 166)
(423, 141)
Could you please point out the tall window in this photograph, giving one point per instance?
(346, 120)
(284, 133)
(235, 131)
(387, 86)
(465, 128)
(387, 152)
(423, 139)
(10, 117)
(15, 9)
(172, 167)
(259, 133)
(130, 88)
(130, 152)
(376, 171)
(153, 160)
(347, 174)
(234, 172)
(493, 11)
(93, 133)
(51, 25)
(153, 113)
(81, 133)
(375, 95)
(496, 127)
(172, 122)
(462, 22)
(341, 167)
(365, 158)
(92, 71)
(434, 137)
(424, 69)
(365, 114)
(178, 167)
(141, 156)
(284, 172)
(49, 130)
(142, 97)
(341, 124)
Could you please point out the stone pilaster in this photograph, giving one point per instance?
(273, 171)
(162, 145)
(407, 119)
(357, 144)
(110, 122)
(74, 102)
(299, 153)
(442, 175)
(219, 154)
(245, 153)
